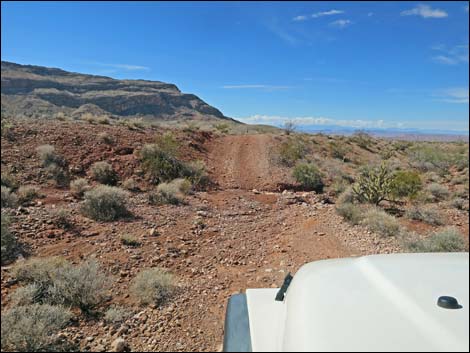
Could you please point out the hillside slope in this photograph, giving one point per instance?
(34, 91)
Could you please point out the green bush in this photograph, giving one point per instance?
(446, 240)
(291, 151)
(405, 184)
(105, 203)
(428, 157)
(338, 150)
(9, 199)
(308, 176)
(104, 173)
(9, 243)
(153, 286)
(374, 185)
(168, 144)
(350, 212)
(427, 214)
(78, 187)
(381, 222)
(160, 165)
(34, 328)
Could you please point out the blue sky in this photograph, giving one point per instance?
(360, 64)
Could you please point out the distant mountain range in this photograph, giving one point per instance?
(36, 91)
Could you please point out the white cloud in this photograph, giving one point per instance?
(318, 14)
(451, 55)
(458, 95)
(425, 11)
(256, 86)
(340, 23)
(310, 120)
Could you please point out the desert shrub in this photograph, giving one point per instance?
(308, 176)
(106, 138)
(153, 286)
(446, 240)
(291, 151)
(9, 243)
(34, 328)
(401, 146)
(6, 127)
(374, 185)
(459, 180)
(61, 218)
(381, 222)
(427, 214)
(222, 127)
(168, 144)
(26, 295)
(130, 184)
(196, 173)
(183, 185)
(349, 211)
(116, 315)
(60, 116)
(103, 120)
(130, 240)
(405, 184)
(90, 118)
(48, 156)
(83, 286)
(347, 196)
(104, 173)
(132, 124)
(78, 187)
(439, 192)
(9, 181)
(27, 194)
(460, 204)
(289, 127)
(160, 165)
(338, 150)
(9, 199)
(166, 193)
(339, 185)
(58, 174)
(429, 157)
(362, 139)
(60, 283)
(105, 203)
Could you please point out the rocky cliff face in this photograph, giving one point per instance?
(35, 91)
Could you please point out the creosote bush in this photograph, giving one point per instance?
(160, 165)
(381, 222)
(34, 328)
(405, 184)
(153, 286)
(104, 173)
(308, 175)
(446, 240)
(105, 203)
(291, 151)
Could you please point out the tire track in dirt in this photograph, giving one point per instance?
(245, 162)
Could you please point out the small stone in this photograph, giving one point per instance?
(119, 345)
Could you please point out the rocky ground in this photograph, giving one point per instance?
(244, 232)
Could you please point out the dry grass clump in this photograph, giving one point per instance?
(105, 203)
(9, 198)
(427, 214)
(78, 187)
(27, 193)
(381, 222)
(104, 173)
(153, 286)
(446, 240)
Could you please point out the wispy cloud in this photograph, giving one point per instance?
(128, 67)
(257, 86)
(459, 95)
(311, 120)
(340, 23)
(451, 55)
(317, 15)
(425, 11)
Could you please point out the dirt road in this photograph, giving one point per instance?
(245, 162)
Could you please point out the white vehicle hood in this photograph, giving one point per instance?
(373, 303)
